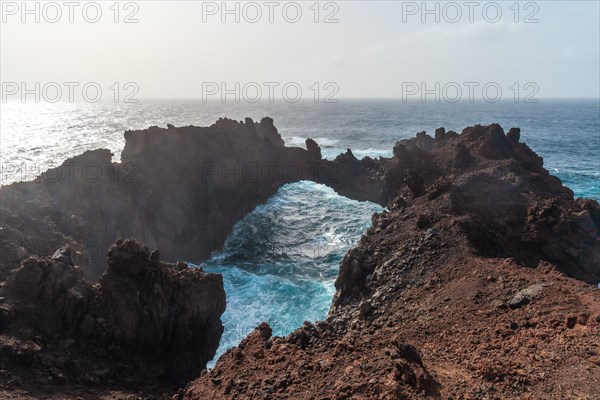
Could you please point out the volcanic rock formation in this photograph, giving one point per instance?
(478, 281)
(457, 291)
(179, 189)
(145, 321)
(183, 189)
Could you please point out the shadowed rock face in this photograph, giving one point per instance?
(179, 189)
(144, 320)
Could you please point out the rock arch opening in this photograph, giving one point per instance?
(281, 260)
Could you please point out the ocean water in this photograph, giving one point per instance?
(281, 260)
(35, 136)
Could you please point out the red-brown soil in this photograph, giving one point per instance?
(460, 291)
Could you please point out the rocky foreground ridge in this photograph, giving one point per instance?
(478, 282)
(462, 290)
(145, 323)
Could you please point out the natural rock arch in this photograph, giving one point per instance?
(183, 189)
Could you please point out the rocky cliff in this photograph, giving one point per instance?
(183, 189)
(144, 323)
(178, 189)
(478, 281)
(462, 289)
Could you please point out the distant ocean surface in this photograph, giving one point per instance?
(280, 262)
(565, 132)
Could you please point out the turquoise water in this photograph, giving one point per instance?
(280, 262)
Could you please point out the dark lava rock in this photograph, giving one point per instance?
(313, 149)
(161, 319)
(415, 184)
(181, 189)
(514, 134)
(63, 255)
(128, 257)
(440, 133)
(495, 208)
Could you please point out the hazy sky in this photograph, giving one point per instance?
(373, 50)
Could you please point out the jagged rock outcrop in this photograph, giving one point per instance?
(179, 189)
(145, 320)
(462, 289)
(481, 254)
(504, 202)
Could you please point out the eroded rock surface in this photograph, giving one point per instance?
(441, 297)
(178, 189)
(183, 189)
(144, 323)
(501, 200)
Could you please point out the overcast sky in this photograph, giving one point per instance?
(371, 51)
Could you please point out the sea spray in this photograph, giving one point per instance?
(280, 262)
